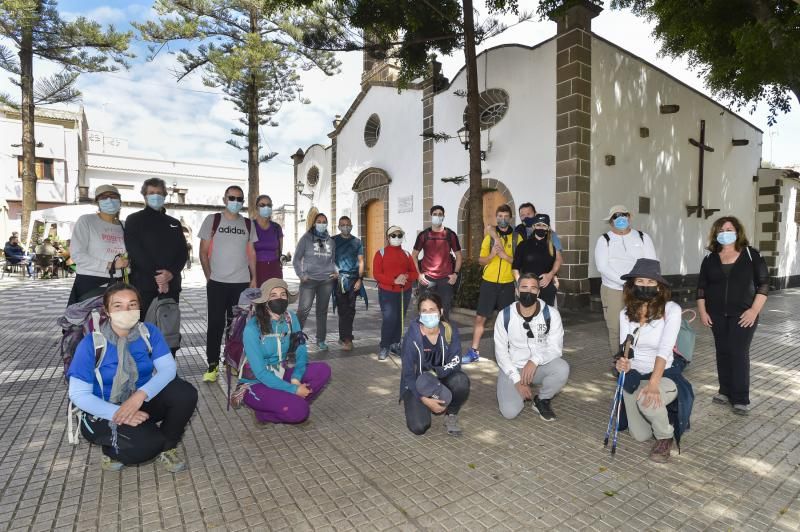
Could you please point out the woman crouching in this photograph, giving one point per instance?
(658, 399)
(279, 393)
(131, 388)
(432, 380)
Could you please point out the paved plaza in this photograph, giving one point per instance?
(354, 465)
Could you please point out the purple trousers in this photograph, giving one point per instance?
(277, 406)
(268, 269)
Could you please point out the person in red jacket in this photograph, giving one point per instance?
(395, 272)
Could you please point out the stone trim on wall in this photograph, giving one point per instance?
(371, 178)
(768, 237)
(370, 185)
(332, 220)
(428, 90)
(486, 184)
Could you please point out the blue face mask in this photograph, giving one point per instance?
(234, 207)
(109, 205)
(155, 201)
(621, 223)
(265, 212)
(321, 228)
(502, 223)
(437, 220)
(430, 321)
(528, 222)
(726, 237)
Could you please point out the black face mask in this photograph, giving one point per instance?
(541, 233)
(278, 306)
(645, 293)
(528, 222)
(528, 299)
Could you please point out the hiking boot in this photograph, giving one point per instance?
(661, 451)
(720, 399)
(451, 425)
(212, 373)
(347, 345)
(395, 348)
(384, 354)
(109, 464)
(742, 410)
(172, 461)
(542, 406)
(472, 355)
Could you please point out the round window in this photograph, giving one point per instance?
(312, 177)
(493, 107)
(372, 130)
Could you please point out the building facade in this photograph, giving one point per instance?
(574, 125)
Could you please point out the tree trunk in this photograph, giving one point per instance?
(475, 211)
(252, 146)
(28, 138)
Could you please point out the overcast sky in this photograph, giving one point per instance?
(189, 121)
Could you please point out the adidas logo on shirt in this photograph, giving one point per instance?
(231, 230)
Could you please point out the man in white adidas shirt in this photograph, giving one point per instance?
(614, 256)
(528, 341)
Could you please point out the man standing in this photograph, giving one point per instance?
(349, 260)
(441, 258)
(497, 284)
(528, 343)
(615, 254)
(156, 247)
(229, 264)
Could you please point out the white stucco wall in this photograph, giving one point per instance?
(626, 95)
(59, 144)
(398, 152)
(319, 156)
(522, 151)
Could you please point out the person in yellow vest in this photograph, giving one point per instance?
(497, 285)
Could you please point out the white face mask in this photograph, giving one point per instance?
(395, 241)
(125, 319)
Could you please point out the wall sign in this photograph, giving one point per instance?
(405, 204)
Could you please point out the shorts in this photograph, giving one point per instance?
(494, 296)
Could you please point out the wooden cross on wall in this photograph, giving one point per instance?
(703, 148)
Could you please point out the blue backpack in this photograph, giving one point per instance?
(545, 312)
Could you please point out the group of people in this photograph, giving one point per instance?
(48, 255)
(519, 282)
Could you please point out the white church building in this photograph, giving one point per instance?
(574, 125)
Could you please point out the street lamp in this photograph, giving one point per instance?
(299, 188)
(463, 136)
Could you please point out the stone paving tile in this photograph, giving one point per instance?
(354, 466)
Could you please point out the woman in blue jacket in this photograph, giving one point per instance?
(432, 381)
(121, 397)
(279, 393)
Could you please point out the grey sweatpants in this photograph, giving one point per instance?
(551, 377)
(645, 423)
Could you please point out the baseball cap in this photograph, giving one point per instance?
(103, 189)
(429, 386)
(394, 229)
(615, 209)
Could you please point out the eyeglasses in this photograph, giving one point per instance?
(396, 235)
(618, 214)
(240, 199)
(527, 327)
(260, 204)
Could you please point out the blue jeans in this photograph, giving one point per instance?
(391, 326)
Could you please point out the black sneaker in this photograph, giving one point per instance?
(543, 407)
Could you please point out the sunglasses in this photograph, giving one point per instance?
(618, 214)
(527, 327)
(396, 235)
(240, 199)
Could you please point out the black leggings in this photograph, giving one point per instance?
(222, 297)
(418, 416)
(86, 286)
(732, 343)
(173, 407)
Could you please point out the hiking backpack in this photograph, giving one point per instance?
(215, 225)
(79, 320)
(165, 314)
(234, 357)
(608, 238)
(545, 313)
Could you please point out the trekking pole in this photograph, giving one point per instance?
(613, 408)
(619, 408)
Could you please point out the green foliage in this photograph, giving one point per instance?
(471, 275)
(747, 51)
(252, 50)
(79, 46)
